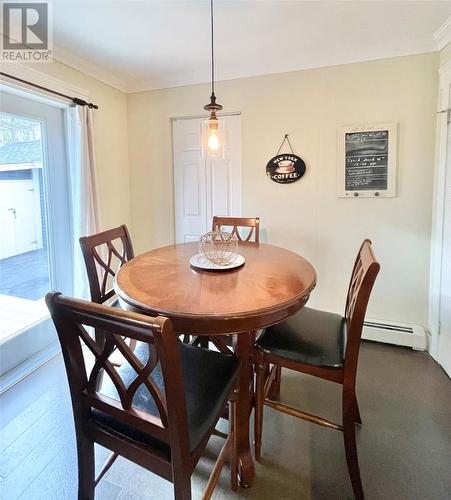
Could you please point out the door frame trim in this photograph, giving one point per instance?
(205, 116)
(438, 208)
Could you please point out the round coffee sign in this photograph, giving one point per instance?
(285, 168)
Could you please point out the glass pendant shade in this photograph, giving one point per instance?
(213, 138)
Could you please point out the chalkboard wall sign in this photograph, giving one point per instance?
(367, 164)
(285, 168)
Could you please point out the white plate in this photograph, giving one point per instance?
(201, 262)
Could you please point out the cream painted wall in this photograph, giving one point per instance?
(111, 142)
(307, 216)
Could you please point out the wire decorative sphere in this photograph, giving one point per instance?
(219, 247)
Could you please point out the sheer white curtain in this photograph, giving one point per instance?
(83, 186)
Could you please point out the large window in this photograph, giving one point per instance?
(35, 220)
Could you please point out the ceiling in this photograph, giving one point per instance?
(143, 45)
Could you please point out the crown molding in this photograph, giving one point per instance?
(25, 72)
(67, 58)
(440, 39)
(88, 68)
(443, 35)
(190, 79)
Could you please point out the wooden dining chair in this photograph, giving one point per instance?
(158, 409)
(104, 254)
(237, 223)
(232, 225)
(323, 345)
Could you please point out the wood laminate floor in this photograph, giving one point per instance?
(404, 443)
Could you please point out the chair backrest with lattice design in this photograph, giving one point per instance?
(364, 273)
(104, 254)
(234, 225)
(72, 317)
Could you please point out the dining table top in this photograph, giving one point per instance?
(271, 285)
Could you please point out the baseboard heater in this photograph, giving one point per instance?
(414, 336)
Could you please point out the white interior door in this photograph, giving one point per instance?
(444, 337)
(204, 187)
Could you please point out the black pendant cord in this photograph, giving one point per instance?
(212, 50)
(75, 100)
(212, 107)
(286, 138)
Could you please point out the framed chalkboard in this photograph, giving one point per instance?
(367, 161)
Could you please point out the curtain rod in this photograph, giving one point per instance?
(75, 100)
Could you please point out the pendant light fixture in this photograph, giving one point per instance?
(212, 129)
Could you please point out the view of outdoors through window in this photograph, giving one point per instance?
(24, 265)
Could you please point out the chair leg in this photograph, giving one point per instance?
(260, 370)
(357, 418)
(233, 448)
(351, 453)
(182, 485)
(86, 468)
(274, 390)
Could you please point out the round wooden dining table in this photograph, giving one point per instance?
(272, 285)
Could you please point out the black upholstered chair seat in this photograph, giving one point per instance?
(310, 336)
(209, 377)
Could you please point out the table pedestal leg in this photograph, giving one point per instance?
(246, 468)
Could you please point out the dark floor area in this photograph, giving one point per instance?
(404, 444)
(25, 275)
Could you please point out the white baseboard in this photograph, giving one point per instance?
(390, 332)
(12, 377)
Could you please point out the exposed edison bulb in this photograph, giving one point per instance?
(213, 140)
